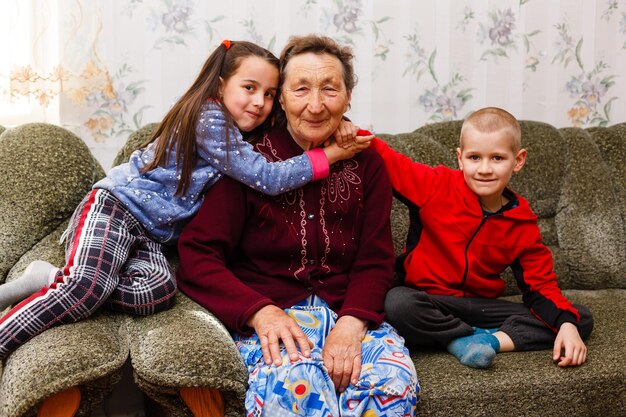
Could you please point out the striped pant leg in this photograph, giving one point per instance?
(97, 248)
(146, 282)
(388, 384)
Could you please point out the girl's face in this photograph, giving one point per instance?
(249, 93)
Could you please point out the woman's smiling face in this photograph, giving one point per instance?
(314, 97)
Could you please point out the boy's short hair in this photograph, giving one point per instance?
(493, 119)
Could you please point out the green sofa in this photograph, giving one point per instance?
(574, 178)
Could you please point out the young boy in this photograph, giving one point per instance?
(467, 227)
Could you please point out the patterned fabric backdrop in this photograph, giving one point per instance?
(103, 68)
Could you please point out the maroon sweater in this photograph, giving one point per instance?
(245, 250)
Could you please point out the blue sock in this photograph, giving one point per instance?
(478, 330)
(475, 351)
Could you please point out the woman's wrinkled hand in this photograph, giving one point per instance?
(274, 326)
(342, 351)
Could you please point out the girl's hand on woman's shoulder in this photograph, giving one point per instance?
(334, 152)
(346, 133)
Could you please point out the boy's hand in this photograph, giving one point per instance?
(568, 341)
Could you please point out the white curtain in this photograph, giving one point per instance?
(103, 68)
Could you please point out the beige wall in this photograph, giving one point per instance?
(102, 68)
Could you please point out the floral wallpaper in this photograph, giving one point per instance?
(104, 68)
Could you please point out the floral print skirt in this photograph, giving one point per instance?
(387, 386)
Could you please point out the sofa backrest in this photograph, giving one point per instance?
(574, 179)
(575, 182)
(136, 140)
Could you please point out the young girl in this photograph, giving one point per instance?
(115, 236)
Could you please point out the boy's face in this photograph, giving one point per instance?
(488, 161)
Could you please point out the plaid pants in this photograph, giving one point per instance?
(387, 386)
(109, 260)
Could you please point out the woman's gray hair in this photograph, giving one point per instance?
(317, 44)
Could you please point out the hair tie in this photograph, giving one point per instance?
(226, 43)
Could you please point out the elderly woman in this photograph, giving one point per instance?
(300, 278)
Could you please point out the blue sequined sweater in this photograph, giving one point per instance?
(150, 196)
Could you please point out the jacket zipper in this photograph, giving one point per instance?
(469, 242)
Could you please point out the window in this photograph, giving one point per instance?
(29, 87)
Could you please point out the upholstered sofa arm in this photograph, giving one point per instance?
(46, 171)
(186, 346)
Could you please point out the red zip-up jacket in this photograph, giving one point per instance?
(454, 249)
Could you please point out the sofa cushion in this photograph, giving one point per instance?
(528, 383)
(612, 146)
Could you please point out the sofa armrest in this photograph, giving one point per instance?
(88, 354)
(46, 171)
(186, 346)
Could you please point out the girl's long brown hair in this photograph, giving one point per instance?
(178, 127)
